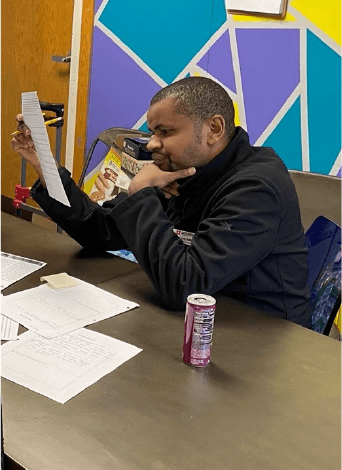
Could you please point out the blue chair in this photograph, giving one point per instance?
(323, 239)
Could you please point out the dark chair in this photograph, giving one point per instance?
(112, 137)
(323, 239)
(317, 195)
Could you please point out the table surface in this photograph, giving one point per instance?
(60, 252)
(269, 400)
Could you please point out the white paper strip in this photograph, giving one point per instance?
(33, 118)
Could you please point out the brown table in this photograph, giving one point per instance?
(269, 400)
(60, 252)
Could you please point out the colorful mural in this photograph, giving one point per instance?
(283, 76)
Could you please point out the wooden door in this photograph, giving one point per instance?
(32, 32)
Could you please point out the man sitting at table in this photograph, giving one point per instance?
(238, 201)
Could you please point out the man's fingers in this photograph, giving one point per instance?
(173, 184)
(152, 175)
(167, 195)
(184, 173)
(15, 144)
(170, 190)
(21, 125)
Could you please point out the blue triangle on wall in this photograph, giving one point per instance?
(286, 138)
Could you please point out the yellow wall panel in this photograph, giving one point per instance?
(237, 117)
(325, 15)
(252, 18)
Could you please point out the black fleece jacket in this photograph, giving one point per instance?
(248, 238)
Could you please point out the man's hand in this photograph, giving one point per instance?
(23, 144)
(151, 175)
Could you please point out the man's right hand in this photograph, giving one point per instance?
(23, 144)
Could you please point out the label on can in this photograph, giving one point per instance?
(198, 329)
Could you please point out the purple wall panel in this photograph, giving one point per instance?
(269, 64)
(120, 91)
(218, 62)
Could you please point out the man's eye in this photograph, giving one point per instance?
(165, 131)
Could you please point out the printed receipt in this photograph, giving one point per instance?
(34, 120)
(62, 367)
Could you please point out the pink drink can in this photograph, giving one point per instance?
(198, 329)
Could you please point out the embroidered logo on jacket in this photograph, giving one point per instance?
(186, 237)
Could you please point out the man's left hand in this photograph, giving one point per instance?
(151, 175)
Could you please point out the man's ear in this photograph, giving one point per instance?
(217, 128)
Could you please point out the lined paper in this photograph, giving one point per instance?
(62, 367)
(51, 313)
(14, 268)
(34, 120)
(9, 329)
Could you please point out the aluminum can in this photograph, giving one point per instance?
(198, 329)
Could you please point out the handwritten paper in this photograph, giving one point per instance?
(62, 367)
(34, 120)
(272, 7)
(9, 329)
(14, 268)
(50, 313)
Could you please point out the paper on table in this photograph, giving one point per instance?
(14, 268)
(51, 313)
(9, 329)
(62, 367)
(258, 6)
(33, 118)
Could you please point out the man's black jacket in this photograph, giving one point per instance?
(248, 238)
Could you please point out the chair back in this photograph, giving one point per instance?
(112, 137)
(323, 240)
(317, 195)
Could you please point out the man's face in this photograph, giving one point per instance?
(177, 142)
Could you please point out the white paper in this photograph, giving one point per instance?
(34, 120)
(62, 367)
(9, 329)
(51, 312)
(258, 6)
(14, 268)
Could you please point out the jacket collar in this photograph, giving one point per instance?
(235, 152)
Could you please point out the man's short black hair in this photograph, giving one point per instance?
(200, 98)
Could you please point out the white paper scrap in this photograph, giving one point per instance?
(62, 367)
(9, 329)
(272, 7)
(14, 268)
(51, 313)
(34, 120)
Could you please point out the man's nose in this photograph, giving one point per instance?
(154, 144)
